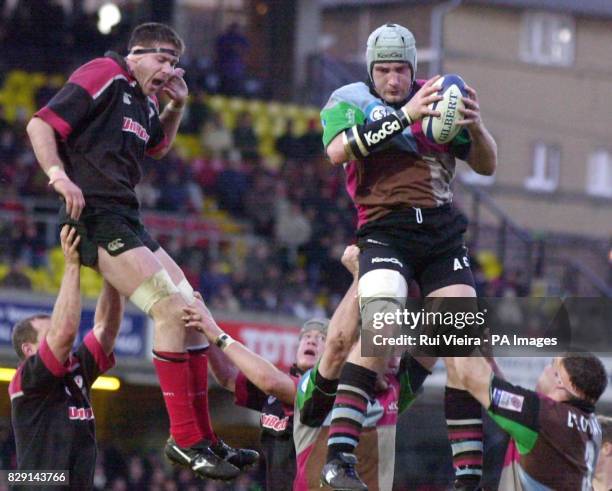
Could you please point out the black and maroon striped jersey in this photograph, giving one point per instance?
(105, 127)
(554, 444)
(276, 423)
(51, 413)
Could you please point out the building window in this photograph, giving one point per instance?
(548, 38)
(545, 168)
(599, 174)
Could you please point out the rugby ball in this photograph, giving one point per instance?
(444, 128)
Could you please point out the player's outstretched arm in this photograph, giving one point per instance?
(482, 156)
(42, 137)
(107, 320)
(66, 315)
(343, 328)
(475, 374)
(263, 374)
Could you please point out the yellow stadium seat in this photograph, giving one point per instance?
(91, 283)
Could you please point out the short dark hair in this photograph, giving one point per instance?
(606, 428)
(24, 332)
(586, 373)
(153, 32)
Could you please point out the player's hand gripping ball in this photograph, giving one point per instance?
(444, 128)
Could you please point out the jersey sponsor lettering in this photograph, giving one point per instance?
(131, 126)
(273, 422)
(80, 413)
(387, 129)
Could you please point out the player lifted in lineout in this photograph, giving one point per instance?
(408, 229)
(91, 140)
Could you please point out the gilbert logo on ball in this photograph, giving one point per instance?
(444, 128)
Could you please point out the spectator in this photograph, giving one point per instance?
(311, 142)
(288, 145)
(217, 140)
(231, 47)
(232, 185)
(245, 138)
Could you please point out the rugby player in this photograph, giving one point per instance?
(374, 457)
(408, 229)
(51, 412)
(259, 385)
(91, 139)
(555, 436)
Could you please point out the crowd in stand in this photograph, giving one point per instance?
(298, 215)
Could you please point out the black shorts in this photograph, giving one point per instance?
(115, 229)
(423, 244)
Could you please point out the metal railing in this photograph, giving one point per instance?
(533, 260)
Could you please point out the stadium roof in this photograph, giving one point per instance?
(601, 8)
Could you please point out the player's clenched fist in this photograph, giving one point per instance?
(350, 259)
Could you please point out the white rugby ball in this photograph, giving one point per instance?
(444, 128)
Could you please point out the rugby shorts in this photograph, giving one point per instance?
(116, 230)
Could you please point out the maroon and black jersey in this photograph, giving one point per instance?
(554, 444)
(106, 126)
(277, 431)
(52, 417)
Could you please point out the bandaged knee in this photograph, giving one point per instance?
(186, 291)
(152, 290)
(382, 294)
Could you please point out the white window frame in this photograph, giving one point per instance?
(548, 38)
(599, 174)
(545, 168)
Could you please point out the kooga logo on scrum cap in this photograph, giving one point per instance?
(389, 54)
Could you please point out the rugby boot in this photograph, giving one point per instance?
(243, 458)
(201, 460)
(340, 474)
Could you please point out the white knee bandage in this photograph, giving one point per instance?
(385, 283)
(186, 291)
(381, 291)
(152, 290)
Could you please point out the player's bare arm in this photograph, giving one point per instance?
(107, 319)
(42, 136)
(176, 89)
(343, 329)
(66, 315)
(482, 157)
(339, 149)
(475, 375)
(263, 374)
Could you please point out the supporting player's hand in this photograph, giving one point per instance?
(418, 106)
(350, 259)
(471, 113)
(70, 244)
(201, 320)
(176, 88)
(73, 196)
